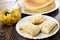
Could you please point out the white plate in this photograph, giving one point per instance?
(41, 35)
(57, 6)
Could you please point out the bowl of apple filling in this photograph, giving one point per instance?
(9, 12)
(11, 17)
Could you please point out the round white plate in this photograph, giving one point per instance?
(57, 6)
(41, 35)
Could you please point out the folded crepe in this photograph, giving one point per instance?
(30, 29)
(38, 5)
(37, 19)
(48, 26)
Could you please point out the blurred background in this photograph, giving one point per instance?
(58, 16)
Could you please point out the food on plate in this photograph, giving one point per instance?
(10, 17)
(30, 29)
(37, 19)
(48, 26)
(35, 6)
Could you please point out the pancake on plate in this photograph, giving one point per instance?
(37, 19)
(48, 26)
(30, 29)
(36, 6)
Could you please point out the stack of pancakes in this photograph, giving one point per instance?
(35, 6)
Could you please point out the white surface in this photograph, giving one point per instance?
(57, 5)
(9, 4)
(41, 35)
(1, 1)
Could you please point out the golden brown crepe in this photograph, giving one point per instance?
(30, 29)
(37, 19)
(48, 26)
(38, 5)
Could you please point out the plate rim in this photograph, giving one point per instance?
(57, 6)
(38, 37)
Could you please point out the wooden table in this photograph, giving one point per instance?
(9, 32)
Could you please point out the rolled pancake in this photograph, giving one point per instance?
(37, 19)
(48, 26)
(44, 9)
(30, 29)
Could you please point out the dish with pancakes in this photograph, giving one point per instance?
(38, 5)
(32, 7)
(29, 27)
